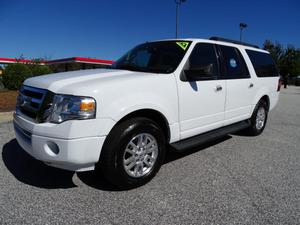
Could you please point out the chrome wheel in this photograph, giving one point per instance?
(260, 118)
(140, 155)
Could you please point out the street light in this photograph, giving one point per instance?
(178, 3)
(242, 26)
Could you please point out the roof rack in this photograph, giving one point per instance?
(233, 41)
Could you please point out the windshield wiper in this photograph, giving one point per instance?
(128, 66)
(133, 67)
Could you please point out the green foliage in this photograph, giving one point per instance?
(287, 59)
(38, 70)
(15, 74)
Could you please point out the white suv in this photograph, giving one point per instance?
(172, 92)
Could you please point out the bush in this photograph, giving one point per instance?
(38, 70)
(15, 74)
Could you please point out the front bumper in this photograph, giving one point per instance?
(75, 154)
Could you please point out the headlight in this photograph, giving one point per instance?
(68, 107)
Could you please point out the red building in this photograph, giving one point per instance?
(65, 64)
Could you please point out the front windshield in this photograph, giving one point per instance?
(155, 57)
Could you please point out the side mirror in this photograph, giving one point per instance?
(199, 73)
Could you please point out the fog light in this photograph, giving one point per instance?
(51, 148)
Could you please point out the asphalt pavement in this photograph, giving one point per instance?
(235, 180)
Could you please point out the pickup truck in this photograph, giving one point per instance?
(169, 93)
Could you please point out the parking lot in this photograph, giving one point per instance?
(235, 180)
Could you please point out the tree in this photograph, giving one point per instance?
(37, 68)
(290, 63)
(15, 74)
(287, 59)
(276, 50)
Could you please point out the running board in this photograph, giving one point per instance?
(209, 136)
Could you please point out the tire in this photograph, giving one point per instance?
(258, 119)
(133, 152)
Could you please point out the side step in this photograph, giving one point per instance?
(209, 136)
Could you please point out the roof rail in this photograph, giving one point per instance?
(233, 41)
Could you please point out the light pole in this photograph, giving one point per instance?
(242, 26)
(178, 3)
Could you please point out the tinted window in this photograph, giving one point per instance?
(234, 65)
(203, 60)
(263, 64)
(157, 57)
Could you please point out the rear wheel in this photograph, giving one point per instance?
(258, 119)
(133, 152)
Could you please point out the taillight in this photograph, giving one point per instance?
(279, 84)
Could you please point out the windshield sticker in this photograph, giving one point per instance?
(232, 63)
(183, 45)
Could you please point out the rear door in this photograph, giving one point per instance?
(240, 87)
(201, 102)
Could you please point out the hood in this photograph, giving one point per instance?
(58, 82)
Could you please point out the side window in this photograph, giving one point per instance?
(234, 66)
(203, 62)
(263, 64)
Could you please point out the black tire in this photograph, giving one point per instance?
(254, 128)
(113, 152)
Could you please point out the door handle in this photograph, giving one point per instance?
(251, 85)
(219, 88)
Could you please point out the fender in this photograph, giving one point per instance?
(130, 103)
(259, 94)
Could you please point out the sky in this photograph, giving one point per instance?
(107, 29)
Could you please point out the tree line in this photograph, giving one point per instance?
(286, 58)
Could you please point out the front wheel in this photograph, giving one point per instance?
(133, 152)
(259, 119)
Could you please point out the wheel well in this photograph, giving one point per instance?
(154, 115)
(266, 99)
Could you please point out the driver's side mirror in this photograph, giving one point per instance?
(196, 73)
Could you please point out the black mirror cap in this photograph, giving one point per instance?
(193, 75)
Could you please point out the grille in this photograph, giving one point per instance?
(33, 102)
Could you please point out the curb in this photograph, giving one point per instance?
(6, 116)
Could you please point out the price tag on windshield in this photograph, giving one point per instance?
(183, 45)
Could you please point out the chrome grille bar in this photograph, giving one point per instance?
(30, 101)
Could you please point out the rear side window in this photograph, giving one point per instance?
(233, 63)
(263, 64)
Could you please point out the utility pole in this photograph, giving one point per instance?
(242, 26)
(178, 3)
